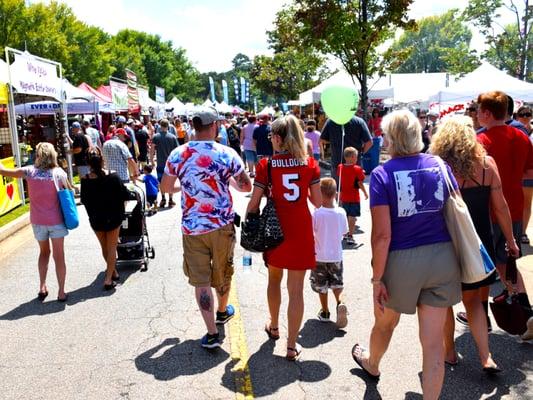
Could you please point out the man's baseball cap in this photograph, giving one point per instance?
(206, 115)
(130, 121)
(121, 118)
(76, 125)
(121, 131)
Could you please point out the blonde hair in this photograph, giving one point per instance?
(455, 142)
(45, 156)
(404, 133)
(328, 187)
(350, 152)
(290, 131)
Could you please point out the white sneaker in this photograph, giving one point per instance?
(342, 315)
(528, 335)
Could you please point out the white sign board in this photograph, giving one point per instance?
(35, 77)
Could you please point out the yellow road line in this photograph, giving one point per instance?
(239, 350)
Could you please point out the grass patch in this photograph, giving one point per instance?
(14, 214)
(76, 179)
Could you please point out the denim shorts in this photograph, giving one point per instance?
(352, 209)
(527, 183)
(45, 232)
(250, 155)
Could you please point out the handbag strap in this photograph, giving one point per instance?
(444, 171)
(56, 178)
(269, 177)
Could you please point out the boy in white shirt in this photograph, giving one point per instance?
(329, 225)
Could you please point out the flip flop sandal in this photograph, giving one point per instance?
(360, 363)
(297, 350)
(42, 295)
(269, 331)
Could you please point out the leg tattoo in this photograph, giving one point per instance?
(205, 301)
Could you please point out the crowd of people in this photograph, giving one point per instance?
(206, 155)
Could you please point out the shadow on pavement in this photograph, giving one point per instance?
(314, 333)
(270, 372)
(179, 359)
(91, 291)
(371, 390)
(467, 381)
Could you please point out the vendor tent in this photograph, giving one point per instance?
(72, 92)
(4, 73)
(106, 92)
(267, 111)
(223, 108)
(89, 89)
(485, 78)
(207, 103)
(176, 106)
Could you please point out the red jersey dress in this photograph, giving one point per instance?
(290, 189)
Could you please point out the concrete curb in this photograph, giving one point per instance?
(14, 226)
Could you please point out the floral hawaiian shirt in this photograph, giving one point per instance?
(204, 169)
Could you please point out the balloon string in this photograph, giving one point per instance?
(341, 168)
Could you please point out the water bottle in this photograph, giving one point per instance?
(247, 261)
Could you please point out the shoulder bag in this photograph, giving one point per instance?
(67, 203)
(476, 264)
(262, 232)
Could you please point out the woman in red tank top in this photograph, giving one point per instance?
(295, 177)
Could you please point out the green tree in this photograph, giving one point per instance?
(439, 44)
(352, 31)
(510, 47)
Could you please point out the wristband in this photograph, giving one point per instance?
(375, 281)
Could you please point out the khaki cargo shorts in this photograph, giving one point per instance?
(208, 258)
(427, 275)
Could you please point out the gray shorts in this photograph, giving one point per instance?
(428, 275)
(326, 275)
(45, 232)
(500, 241)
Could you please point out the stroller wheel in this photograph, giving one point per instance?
(144, 267)
(151, 253)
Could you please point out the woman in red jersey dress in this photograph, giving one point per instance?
(295, 178)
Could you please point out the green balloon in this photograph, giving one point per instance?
(340, 103)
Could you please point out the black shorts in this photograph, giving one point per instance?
(151, 199)
(352, 209)
(500, 241)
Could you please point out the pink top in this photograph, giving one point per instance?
(314, 137)
(44, 203)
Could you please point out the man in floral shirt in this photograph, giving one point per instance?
(205, 170)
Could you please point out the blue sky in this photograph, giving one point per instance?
(212, 32)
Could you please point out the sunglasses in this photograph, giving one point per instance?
(525, 115)
(422, 116)
(471, 109)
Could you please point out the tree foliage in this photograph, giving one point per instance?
(511, 46)
(439, 44)
(352, 31)
(88, 54)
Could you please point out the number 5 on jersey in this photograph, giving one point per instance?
(289, 181)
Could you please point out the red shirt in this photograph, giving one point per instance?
(291, 181)
(513, 153)
(350, 175)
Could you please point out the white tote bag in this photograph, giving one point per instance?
(476, 264)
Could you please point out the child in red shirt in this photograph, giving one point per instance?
(351, 178)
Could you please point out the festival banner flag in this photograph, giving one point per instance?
(9, 189)
(144, 100)
(255, 105)
(236, 88)
(119, 94)
(133, 94)
(243, 90)
(225, 91)
(212, 89)
(247, 95)
(159, 94)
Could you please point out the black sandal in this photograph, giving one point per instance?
(360, 362)
(296, 350)
(109, 287)
(269, 329)
(42, 295)
(64, 299)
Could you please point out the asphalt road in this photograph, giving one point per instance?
(142, 341)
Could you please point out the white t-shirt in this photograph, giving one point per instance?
(329, 226)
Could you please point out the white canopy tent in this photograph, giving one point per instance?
(485, 78)
(177, 107)
(267, 111)
(207, 103)
(223, 108)
(339, 78)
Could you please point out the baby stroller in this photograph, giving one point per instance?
(133, 241)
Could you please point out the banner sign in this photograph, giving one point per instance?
(255, 105)
(133, 94)
(247, 96)
(50, 108)
(144, 100)
(243, 90)
(36, 77)
(9, 189)
(236, 88)
(212, 89)
(159, 94)
(225, 91)
(119, 94)
(4, 96)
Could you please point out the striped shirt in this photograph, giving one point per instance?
(116, 155)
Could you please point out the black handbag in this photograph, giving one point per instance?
(262, 232)
(510, 315)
